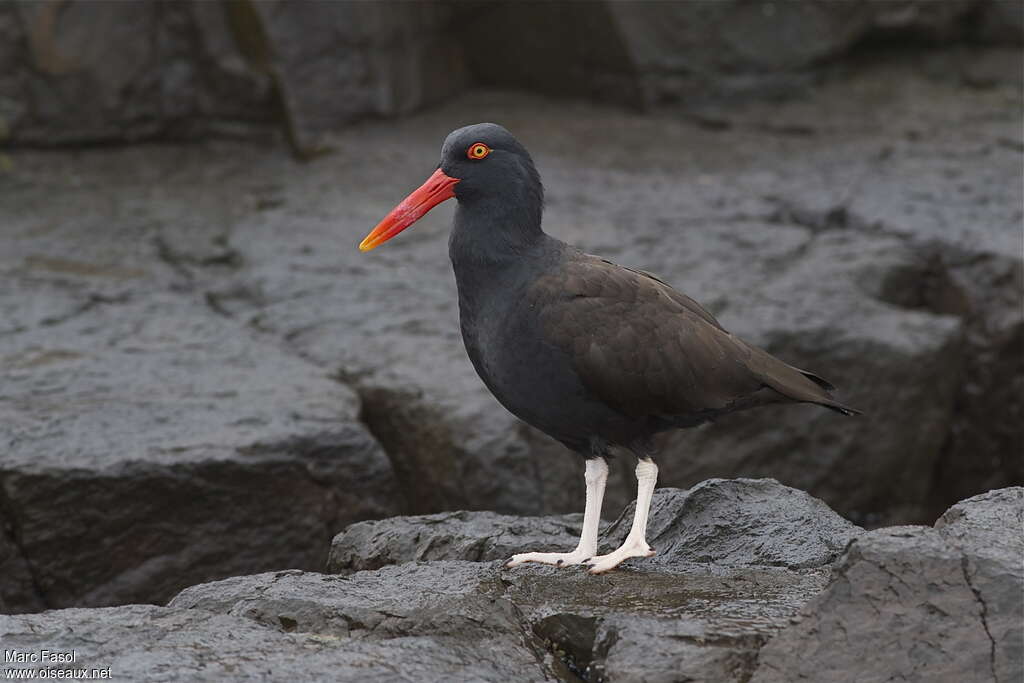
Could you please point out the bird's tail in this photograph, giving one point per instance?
(826, 399)
(796, 384)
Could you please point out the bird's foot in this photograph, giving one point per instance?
(557, 559)
(604, 563)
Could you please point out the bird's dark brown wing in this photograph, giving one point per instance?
(645, 349)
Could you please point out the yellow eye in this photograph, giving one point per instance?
(477, 151)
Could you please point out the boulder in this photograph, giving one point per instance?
(454, 609)
(732, 523)
(691, 53)
(150, 643)
(917, 603)
(147, 441)
(151, 445)
(461, 535)
(84, 72)
(698, 613)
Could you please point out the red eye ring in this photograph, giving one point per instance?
(478, 151)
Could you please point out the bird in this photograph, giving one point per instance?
(598, 356)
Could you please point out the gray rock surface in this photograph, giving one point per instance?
(698, 614)
(917, 603)
(81, 71)
(86, 72)
(149, 643)
(199, 467)
(149, 443)
(456, 609)
(768, 525)
(461, 535)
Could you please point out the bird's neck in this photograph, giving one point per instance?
(489, 235)
(489, 247)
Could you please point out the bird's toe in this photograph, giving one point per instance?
(554, 559)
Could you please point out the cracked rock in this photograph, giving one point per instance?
(917, 603)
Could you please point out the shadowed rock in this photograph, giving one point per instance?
(188, 70)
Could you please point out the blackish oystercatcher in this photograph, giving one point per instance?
(589, 352)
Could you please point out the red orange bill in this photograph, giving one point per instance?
(438, 188)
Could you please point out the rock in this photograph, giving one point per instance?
(90, 55)
(232, 68)
(683, 613)
(217, 68)
(18, 592)
(915, 602)
(600, 628)
(454, 608)
(473, 536)
(147, 441)
(693, 53)
(918, 603)
(989, 530)
(768, 525)
(731, 523)
(1002, 21)
(155, 444)
(149, 643)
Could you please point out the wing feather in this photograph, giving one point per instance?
(645, 349)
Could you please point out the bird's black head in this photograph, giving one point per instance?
(490, 174)
(490, 165)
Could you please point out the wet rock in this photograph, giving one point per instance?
(739, 522)
(473, 536)
(692, 621)
(868, 231)
(149, 643)
(155, 444)
(921, 603)
(457, 608)
(690, 611)
(535, 621)
(724, 580)
(914, 601)
(733, 523)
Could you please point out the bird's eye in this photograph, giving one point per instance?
(477, 151)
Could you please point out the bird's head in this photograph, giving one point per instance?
(482, 165)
